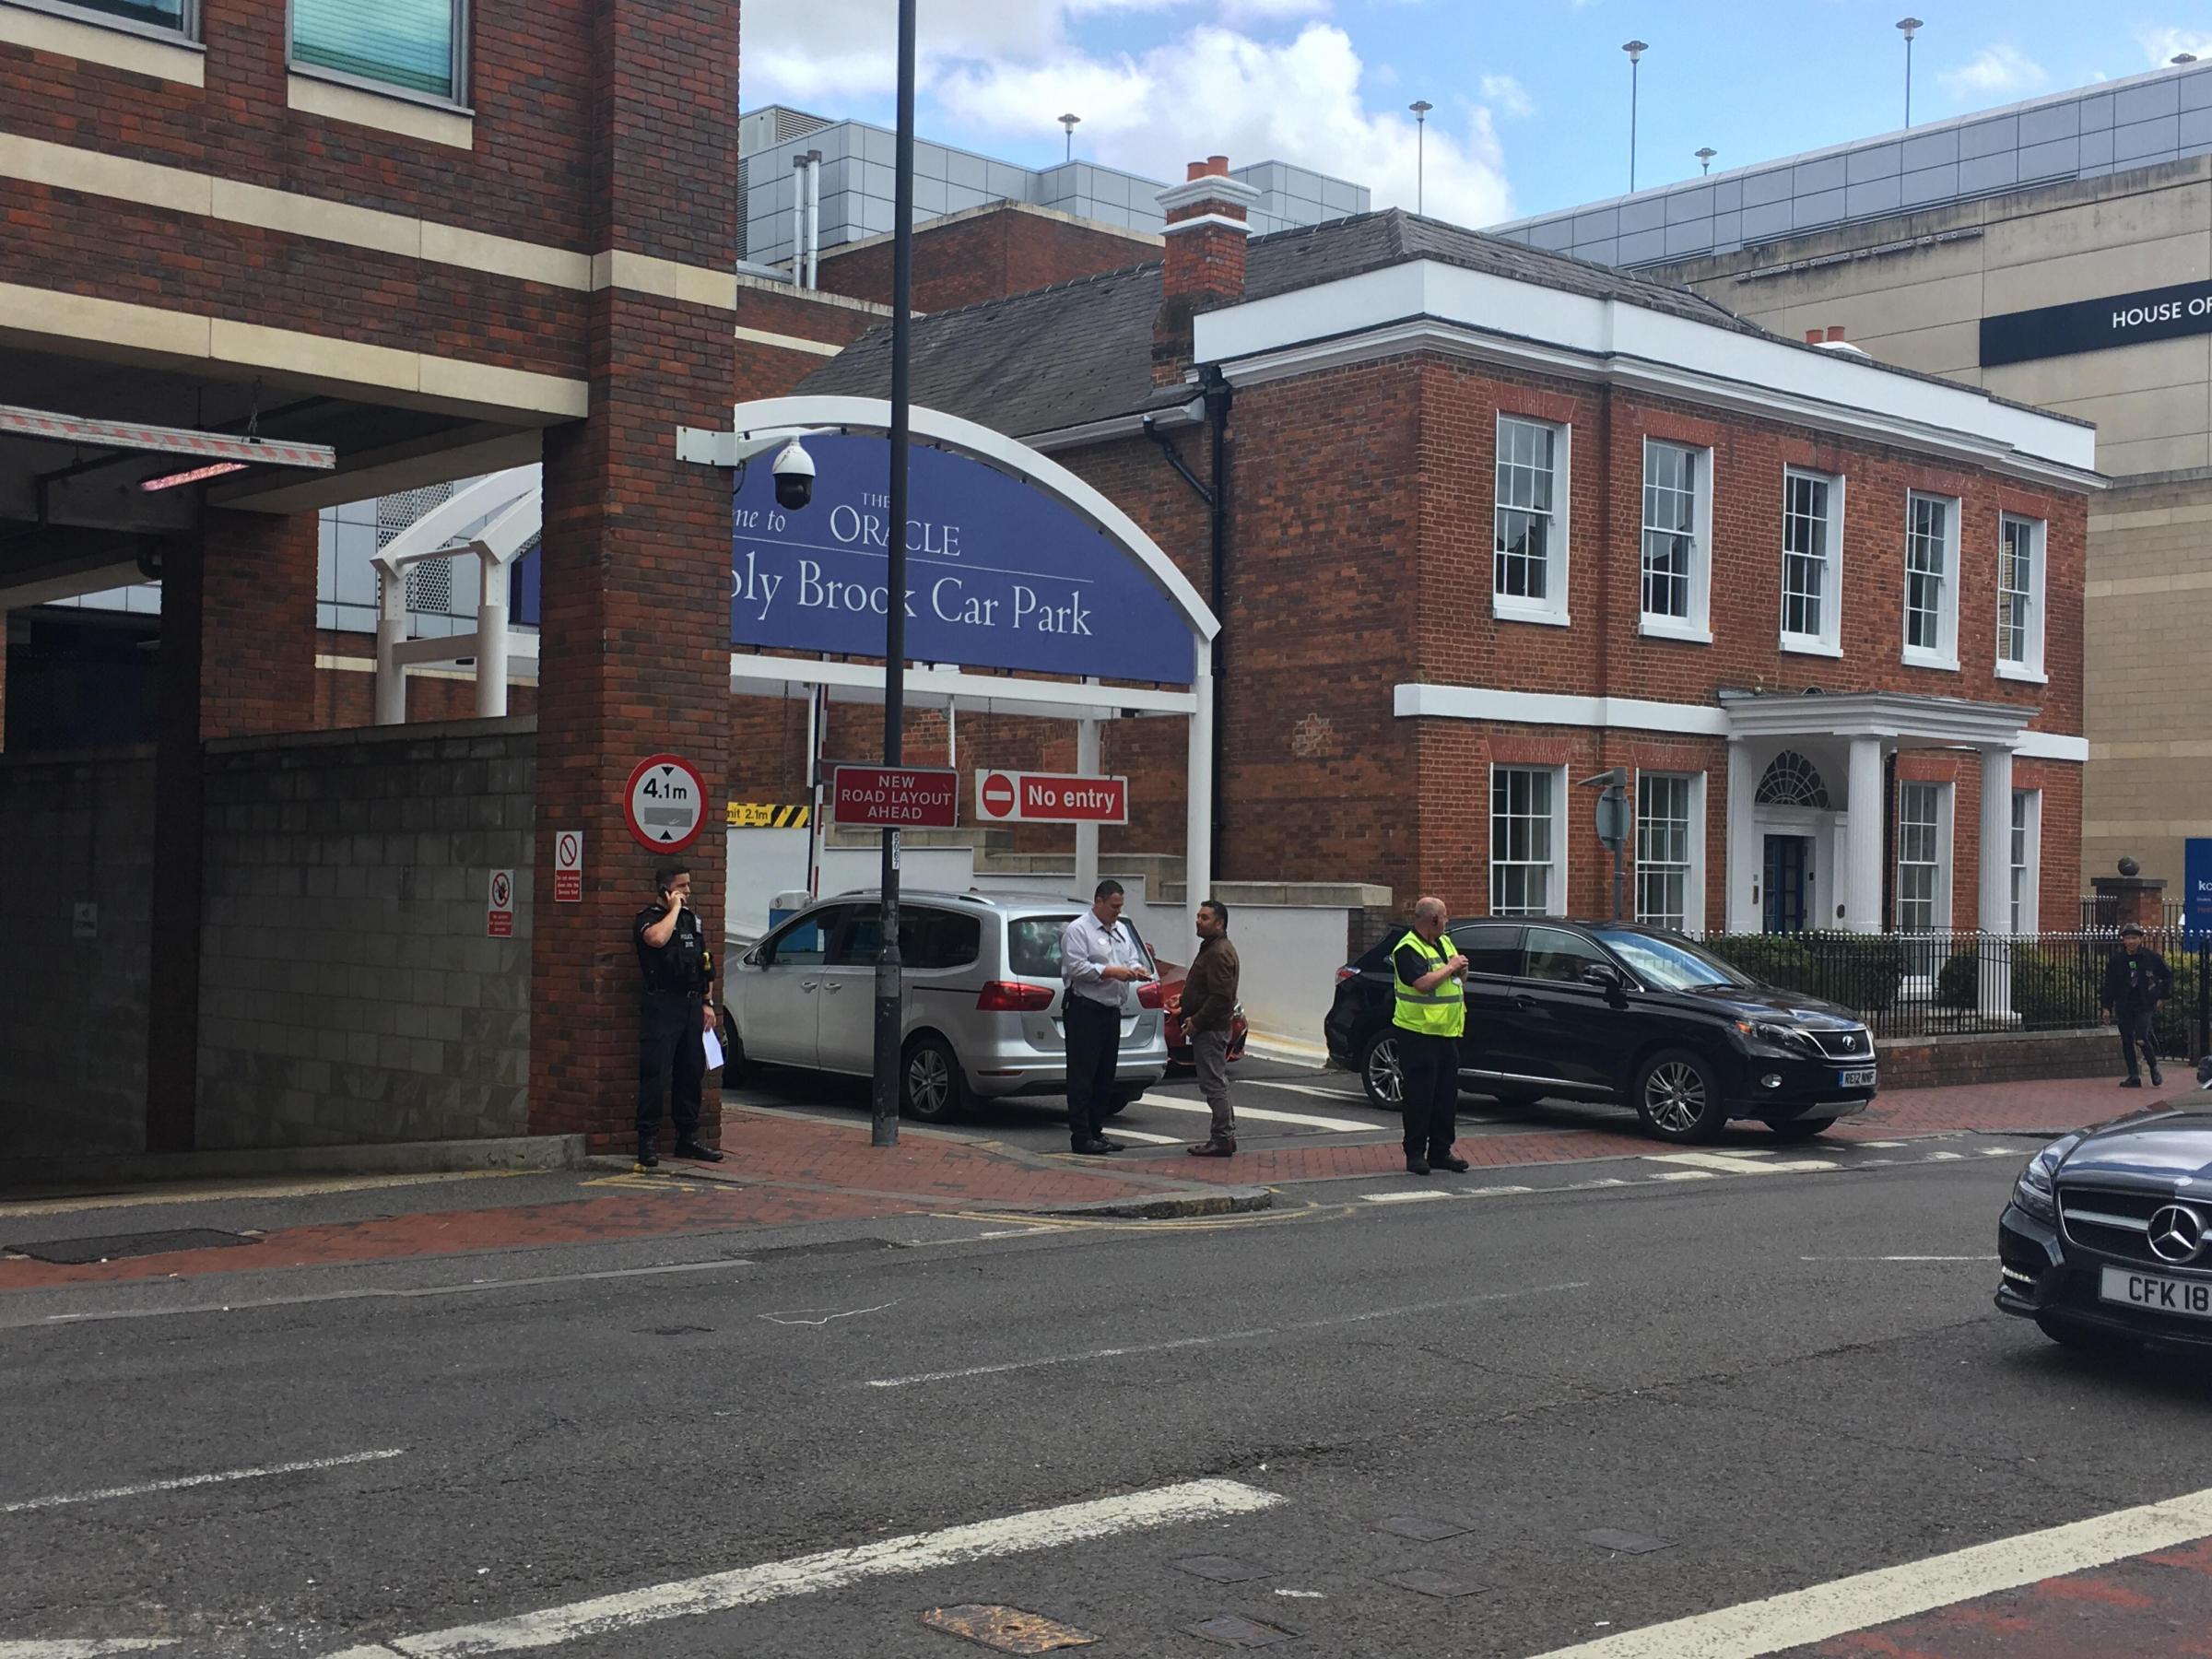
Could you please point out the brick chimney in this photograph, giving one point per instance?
(1205, 231)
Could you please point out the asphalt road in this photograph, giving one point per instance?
(1737, 1367)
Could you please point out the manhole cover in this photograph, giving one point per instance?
(1625, 1543)
(1222, 1570)
(1420, 1528)
(1231, 1631)
(1008, 1630)
(1435, 1584)
(115, 1246)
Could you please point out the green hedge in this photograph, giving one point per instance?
(1861, 971)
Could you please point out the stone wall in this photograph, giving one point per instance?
(1942, 1062)
(75, 831)
(349, 991)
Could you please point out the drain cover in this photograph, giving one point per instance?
(1008, 1630)
(1231, 1631)
(1421, 1527)
(77, 1252)
(1625, 1543)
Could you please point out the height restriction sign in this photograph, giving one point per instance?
(666, 803)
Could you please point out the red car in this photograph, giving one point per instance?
(1179, 1056)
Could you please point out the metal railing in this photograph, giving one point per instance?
(2100, 911)
(1925, 985)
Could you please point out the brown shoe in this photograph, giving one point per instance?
(1213, 1149)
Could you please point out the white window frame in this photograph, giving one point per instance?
(1697, 627)
(457, 99)
(1940, 916)
(2030, 666)
(1550, 610)
(1556, 894)
(1945, 653)
(1693, 870)
(1828, 641)
(186, 34)
(2025, 859)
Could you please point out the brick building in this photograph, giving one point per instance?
(1497, 520)
(437, 240)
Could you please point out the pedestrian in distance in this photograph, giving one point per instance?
(679, 972)
(1209, 1009)
(2136, 981)
(1429, 977)
(1101, 964)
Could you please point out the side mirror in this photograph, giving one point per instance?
(751, 959)
(1605, 977)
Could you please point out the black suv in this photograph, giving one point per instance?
(1634, 1015)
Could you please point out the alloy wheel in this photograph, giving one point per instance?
(1384, 1074)
(1674, 1096)
(928, 1082)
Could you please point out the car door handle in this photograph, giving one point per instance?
(836, 985)
(806, 984)
(1524, 1002)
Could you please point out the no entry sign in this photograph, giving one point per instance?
(1005, 797)
(895, 798)
(666, 803)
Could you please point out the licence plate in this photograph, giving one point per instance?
(2159, 1295)
(1861, 1078)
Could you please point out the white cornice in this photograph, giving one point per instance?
(1208, 187)
(1200, 220)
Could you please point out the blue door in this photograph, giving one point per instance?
(1789, 872)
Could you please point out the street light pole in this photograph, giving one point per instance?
(1635, 49)
(1420, 108)
(1909, 27)
(1705, 158)
(890, 970)
(1070, 122)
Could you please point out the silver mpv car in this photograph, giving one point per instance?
(982, 999)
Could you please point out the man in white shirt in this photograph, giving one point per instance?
(1100, 960)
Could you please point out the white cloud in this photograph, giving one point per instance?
(2162, 46)
(1994, 72)
(830, 52)
(1507, 96)
(1268, 11)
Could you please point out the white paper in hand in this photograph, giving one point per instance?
(714, 1050)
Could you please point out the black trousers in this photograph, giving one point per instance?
(2138, 1028)
(672, 1058)
(1094, 1045)
(1430, 1067)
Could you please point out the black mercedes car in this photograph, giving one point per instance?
(1635, 1016)
(2108, 1234)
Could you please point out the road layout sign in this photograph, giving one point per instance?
(1005, 797)
(666, 803)
(499, 913)
(568, 867)
(895, 797)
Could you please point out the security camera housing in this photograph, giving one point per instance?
(794, 477)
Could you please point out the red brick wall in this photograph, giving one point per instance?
(257, 620)
(347, 697)
(992, 253)
(769, 370)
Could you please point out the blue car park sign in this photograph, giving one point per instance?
(999, 574)
(2196, 886)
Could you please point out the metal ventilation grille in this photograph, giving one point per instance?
(431, 586)
(395, 513)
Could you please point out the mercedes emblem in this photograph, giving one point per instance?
(2177, 1234)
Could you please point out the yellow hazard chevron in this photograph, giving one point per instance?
(768, 815)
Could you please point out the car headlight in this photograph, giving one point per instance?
(1765, 1036)
(2033, 1192)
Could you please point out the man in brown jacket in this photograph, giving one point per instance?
(1209, 1007)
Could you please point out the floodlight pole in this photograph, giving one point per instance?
(890, 970)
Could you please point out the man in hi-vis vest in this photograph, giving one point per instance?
(1430, 982)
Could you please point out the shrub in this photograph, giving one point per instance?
(1861, 971)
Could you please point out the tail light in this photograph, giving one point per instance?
(1151, 994)
(1011, 996)
(1346, 972)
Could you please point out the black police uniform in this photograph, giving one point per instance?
(672, 1055)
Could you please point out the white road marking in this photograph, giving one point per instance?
(1685, 1175)
(1216, 1339)
(1801, 1618)
(806, 1316)
(71, 1647)
(1496, 1192)
(178, 1485)
(1881, 1142)
(1403, 1197)
(835, 1569)
(1998, 1152)
(1308, 1088)
(1729, 1163)
(1260, 1114)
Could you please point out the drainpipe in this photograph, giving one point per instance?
(814, 218)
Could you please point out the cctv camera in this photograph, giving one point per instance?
(794, 477)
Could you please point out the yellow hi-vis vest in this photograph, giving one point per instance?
(1440, 1012)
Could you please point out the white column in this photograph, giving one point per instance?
(1087, 835)
(1862, 837)
(1199, 838)
(391, 632)
(1739, 910)
(491, 638)
(1995, 913)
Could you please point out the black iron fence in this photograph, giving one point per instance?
(2102, 911)
(1927, 984)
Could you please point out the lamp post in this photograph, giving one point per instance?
(1907, 26)
(890, 970)
(1635, 49)
(1420, 108)
(2180, 58)
(1070, 122)
(1705, 158)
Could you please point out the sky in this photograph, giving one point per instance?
(1531, 100)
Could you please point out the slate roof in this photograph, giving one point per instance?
(1082, 351)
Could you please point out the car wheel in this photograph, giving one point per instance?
(1678, 1097)
(1379, 1071)
(1802, 1129)
(735, 1070)
(932, 1089)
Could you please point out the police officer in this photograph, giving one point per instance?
(679, 1011)
(1429, 978)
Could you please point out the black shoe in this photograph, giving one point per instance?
(1444, 1161)
(2131, 1082)
(1095, 1147)
(697, 1153)
(647, 1157)
(1416, 1166)
(2157, 1077)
